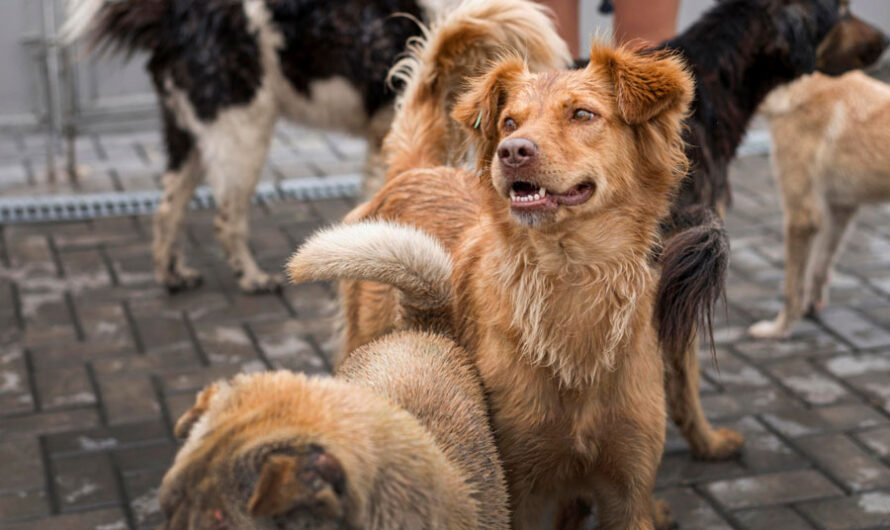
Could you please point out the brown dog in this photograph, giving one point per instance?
(400, 439)
(551, 286)
(830, 138)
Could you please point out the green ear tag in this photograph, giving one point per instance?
(478, 120)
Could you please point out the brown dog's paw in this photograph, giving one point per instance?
(661, 516)
(723, 444)
(182, 279)
(261, 283)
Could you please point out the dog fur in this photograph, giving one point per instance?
(830, 138)
(226, 70)
(400, 438)
(554, 304)
(738, 51)
(414, 488)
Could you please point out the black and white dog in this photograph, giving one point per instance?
(225, 70)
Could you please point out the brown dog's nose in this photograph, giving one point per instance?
(517, 152)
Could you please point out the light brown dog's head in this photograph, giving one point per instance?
(266, 451)
(566, 145)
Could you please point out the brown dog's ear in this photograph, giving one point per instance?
(313, 478)
(479, 108)
(646, 84)
(187, 421)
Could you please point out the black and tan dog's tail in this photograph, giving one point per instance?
(694, 262)
(118, 25)
(404, 257)
(461, 45)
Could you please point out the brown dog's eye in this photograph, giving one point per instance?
(509, 124)
(583, 115)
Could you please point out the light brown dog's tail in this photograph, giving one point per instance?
(461, 45)
(401, 256)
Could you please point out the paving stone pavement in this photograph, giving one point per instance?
(96, 362)
(130, 158)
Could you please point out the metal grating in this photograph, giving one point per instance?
(53, 208)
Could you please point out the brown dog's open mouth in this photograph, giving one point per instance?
(527, 196)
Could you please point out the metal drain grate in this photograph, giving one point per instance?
(53, 208)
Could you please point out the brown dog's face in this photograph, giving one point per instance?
(851, 44)
(546, 125)
(565, 145)
(243, 467)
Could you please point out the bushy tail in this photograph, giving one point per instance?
(118, 25)
(388, 253)
(693, 273)
(461, 45)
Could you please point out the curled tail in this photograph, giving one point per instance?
(397, 255)
(125, 25)
(693, 273)
(461, 45)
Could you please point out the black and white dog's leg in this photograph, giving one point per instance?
(234, 150)
(180, 179)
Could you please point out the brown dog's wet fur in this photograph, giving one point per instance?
(554, 302)
(830, 138)
(399, 439)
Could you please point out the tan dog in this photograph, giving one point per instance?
(400, 439)
(552, 282)
(830, 138)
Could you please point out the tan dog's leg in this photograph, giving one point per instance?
(169, 261)
(571, 515)
(837, 221)
(531, 511)
(625, 501)
(661, 514)
(803, 222)
(234, 161)
(682, 382)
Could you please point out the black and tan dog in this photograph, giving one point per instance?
(738, 52)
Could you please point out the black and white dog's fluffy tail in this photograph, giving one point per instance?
(118, 25)
(694, 263)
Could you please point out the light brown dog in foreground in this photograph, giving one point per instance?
(830, 155)
(552, 285)
(400, 439)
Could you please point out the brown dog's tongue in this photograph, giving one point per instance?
(577, 195)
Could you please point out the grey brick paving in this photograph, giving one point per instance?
(96, 362)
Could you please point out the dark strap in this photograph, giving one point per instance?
(606, 7)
